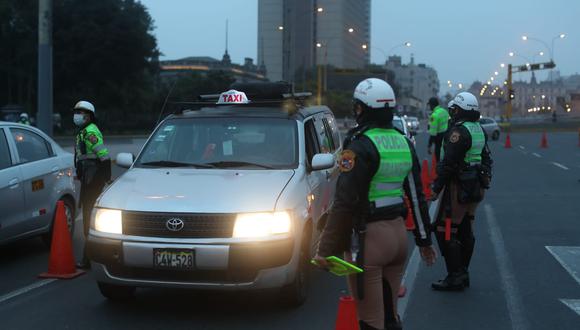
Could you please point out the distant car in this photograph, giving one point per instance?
(412, 123)
(491, 127)
(35, 173)
(231, 196)
(401, 124)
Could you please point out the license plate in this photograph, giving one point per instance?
(173, 258)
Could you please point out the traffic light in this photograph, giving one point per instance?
(549, 65)
(512, 94)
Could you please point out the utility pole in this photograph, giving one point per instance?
(44, 93)
(510, 95)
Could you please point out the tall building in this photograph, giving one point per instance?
(417, 82)
(343, 33)
(289, 32)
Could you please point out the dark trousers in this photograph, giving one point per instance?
(438, 141)
(89, 194)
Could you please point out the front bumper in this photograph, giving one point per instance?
(240, 265)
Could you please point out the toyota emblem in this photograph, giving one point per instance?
(174, 224)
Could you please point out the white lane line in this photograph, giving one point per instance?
(409, 282)
(509, 282)
(574, 304)
(569, 258)
(537, 155)
(25, 289)
(560, 166)
(522, 147)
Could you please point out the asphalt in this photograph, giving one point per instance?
(515, 282)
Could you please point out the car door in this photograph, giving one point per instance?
(333, 134)
(315, 179)
(327, 145)
(39, 168)
(11, 192)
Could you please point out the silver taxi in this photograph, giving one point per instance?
(226, 197)
(35, 173)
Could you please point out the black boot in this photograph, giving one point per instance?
(453, 282)
(363, 326)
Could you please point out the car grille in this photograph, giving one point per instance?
(195, 225)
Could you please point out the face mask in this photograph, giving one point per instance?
(78, 119)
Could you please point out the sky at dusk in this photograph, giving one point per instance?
(463, 40)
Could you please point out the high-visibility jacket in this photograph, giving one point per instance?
(438, 121)
(89, 144)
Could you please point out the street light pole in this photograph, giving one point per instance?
(44, 106)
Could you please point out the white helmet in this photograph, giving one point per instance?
(84, 105)
(24, 115)
(465, 101)
(375, 93)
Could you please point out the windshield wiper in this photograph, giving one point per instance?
(224, 164)
(169, 163)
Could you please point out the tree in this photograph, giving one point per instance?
(103, 51)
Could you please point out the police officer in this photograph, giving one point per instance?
(464, 172)
(23, 119)
(438, 122)
(93, 165)
(378, 166)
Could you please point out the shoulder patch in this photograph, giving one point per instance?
(454, 137)
(346, 161)
(93, 138)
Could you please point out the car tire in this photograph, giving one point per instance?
(495, 135)
(116, 292)
(295, 294)
(69, 210)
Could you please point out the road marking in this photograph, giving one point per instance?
(409, 282)
(569, 258)
(537, 155)
(560, 166)
(522, 147)
(574, 304)
(509, 282)
(25, 289)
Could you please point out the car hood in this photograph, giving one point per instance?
(196, 190)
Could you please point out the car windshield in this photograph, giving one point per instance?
(217, 143)
(398, 123)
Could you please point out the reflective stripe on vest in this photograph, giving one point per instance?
(386, 186)
(87, 149)
(473, 155)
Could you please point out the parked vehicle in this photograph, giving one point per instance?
(231, 196)
(35, 173)
(401, 125)
(412, 123)
(491, 127)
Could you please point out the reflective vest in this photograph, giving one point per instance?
(438, 122)
(386, 186)
(473, 155)
(89, 144)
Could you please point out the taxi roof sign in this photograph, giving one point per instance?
(233, 97)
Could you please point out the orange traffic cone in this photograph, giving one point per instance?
(61, 261)
(409, 223)
(544, 143)
(425, 179)
(508, 141)
(433, 168)
(346, 318)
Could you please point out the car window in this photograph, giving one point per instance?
(30, 146)
(312, 147)
(483, 121)
(324, 138)
(5, 160)
(270, 142)
(398, 123)
(333, 129)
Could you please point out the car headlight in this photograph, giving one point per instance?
(109, 221)
(262, 224)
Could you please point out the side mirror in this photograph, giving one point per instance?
(322, 162)
(124, 160)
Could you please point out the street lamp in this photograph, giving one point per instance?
(364, 46)
(350, 30)
(404, 44)
(320, 9)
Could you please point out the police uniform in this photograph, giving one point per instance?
(465, 171)
(438, 124)
(378, 166)
(93, 166)
(23, 121)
